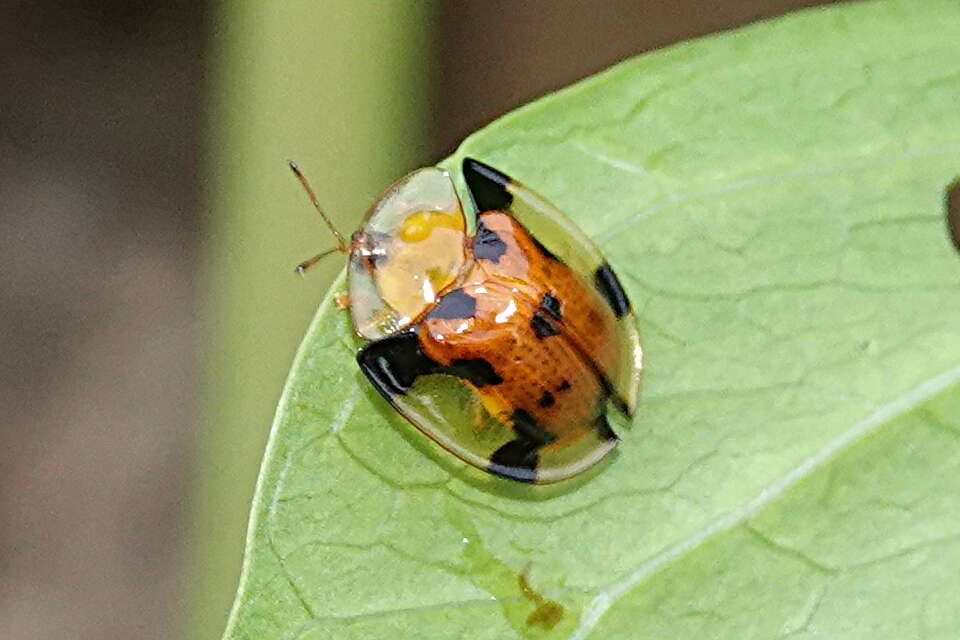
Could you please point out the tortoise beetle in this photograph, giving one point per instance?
(507, 345)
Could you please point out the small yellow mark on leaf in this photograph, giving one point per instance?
(547, 613)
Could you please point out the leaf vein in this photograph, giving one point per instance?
(656, 563)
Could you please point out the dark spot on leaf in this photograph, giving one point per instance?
(953, 212)
(546, 615)
(564, 386)
(547, 612)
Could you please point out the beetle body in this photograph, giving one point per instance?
(506, 346)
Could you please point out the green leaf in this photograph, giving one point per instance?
(773, 200)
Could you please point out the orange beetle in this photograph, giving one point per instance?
(505, 345)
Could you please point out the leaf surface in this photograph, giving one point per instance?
(772, 198)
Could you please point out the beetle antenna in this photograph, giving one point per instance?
(306, 264)
(316, 205)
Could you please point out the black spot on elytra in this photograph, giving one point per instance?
(393, 363)
(527, 428)
(610, 392)
(456, 304)
(487, 244)
(488, 187)
(608, 285)
(604, 432)
(542, 326)
(551, 305)
(516, 460)
(547, 400)
(475, 370)
(953, 212)
(563, 386)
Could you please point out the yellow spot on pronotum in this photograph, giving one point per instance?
(418, 226)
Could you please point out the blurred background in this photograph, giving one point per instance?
(148, 308)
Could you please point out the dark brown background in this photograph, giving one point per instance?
(100, 161)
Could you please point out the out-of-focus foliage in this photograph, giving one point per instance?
(343, 88)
